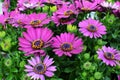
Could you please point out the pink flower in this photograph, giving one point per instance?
(65, 15)
(35, 40)
(4, 18)
(109, 56)
(5, 5)
(37, 20)
(28, 4)
(19, 20)
(38, 68)
(86, 4)
(92, 28)
(67, 44)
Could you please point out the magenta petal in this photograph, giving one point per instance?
(49, 74)
(51, 68)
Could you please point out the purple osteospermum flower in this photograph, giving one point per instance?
(35, 40)
(28, 4)
(67, 44)
(92, 28)
(109, 55)
(37, 20)
(86, 5)
(65, 15)
(19, 20)
(37, 68)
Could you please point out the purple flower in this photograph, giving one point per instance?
(5, 5)
(37, 68)
(92, 28)
(37, 20)
(86, 5)
(67, 44)
(4, 18)
(18, 19)
(117, 10)
(65, 15)
(109, 56)
(28, 4)
(35, 40)
(118, 77)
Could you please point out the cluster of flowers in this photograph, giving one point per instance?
(37, 37)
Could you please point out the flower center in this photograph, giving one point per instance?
(109, 56)
(91, 28)
(40, 68)
(19, 22)
(85, 9)
(68, 13)
(66, 47)
(35, 23)
(37, 44)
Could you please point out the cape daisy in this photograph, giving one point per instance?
(109, 55)
(67, 44)
(37, 68)
(92, 28)
(35, 40)
(37, 20)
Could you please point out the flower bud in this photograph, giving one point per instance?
(72, 29)
(6, 44)
(100, 42)
(86, 56)
(2, 34)
(53, 8)
(22, 63)
(87, 65)
(97, 75)
(84, 74)
(45, 8)
(8, 62)
(110, 19)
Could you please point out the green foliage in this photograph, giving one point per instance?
(85, 66)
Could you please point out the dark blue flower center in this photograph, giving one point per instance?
(66, 47)
(37, 44)
(40, 68)
(109, 56)
(91, 28)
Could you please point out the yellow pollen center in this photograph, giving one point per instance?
(85, 9)
(68, 13)
(35, 23)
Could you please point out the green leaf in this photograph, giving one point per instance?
(9, 77)
(14, 70)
